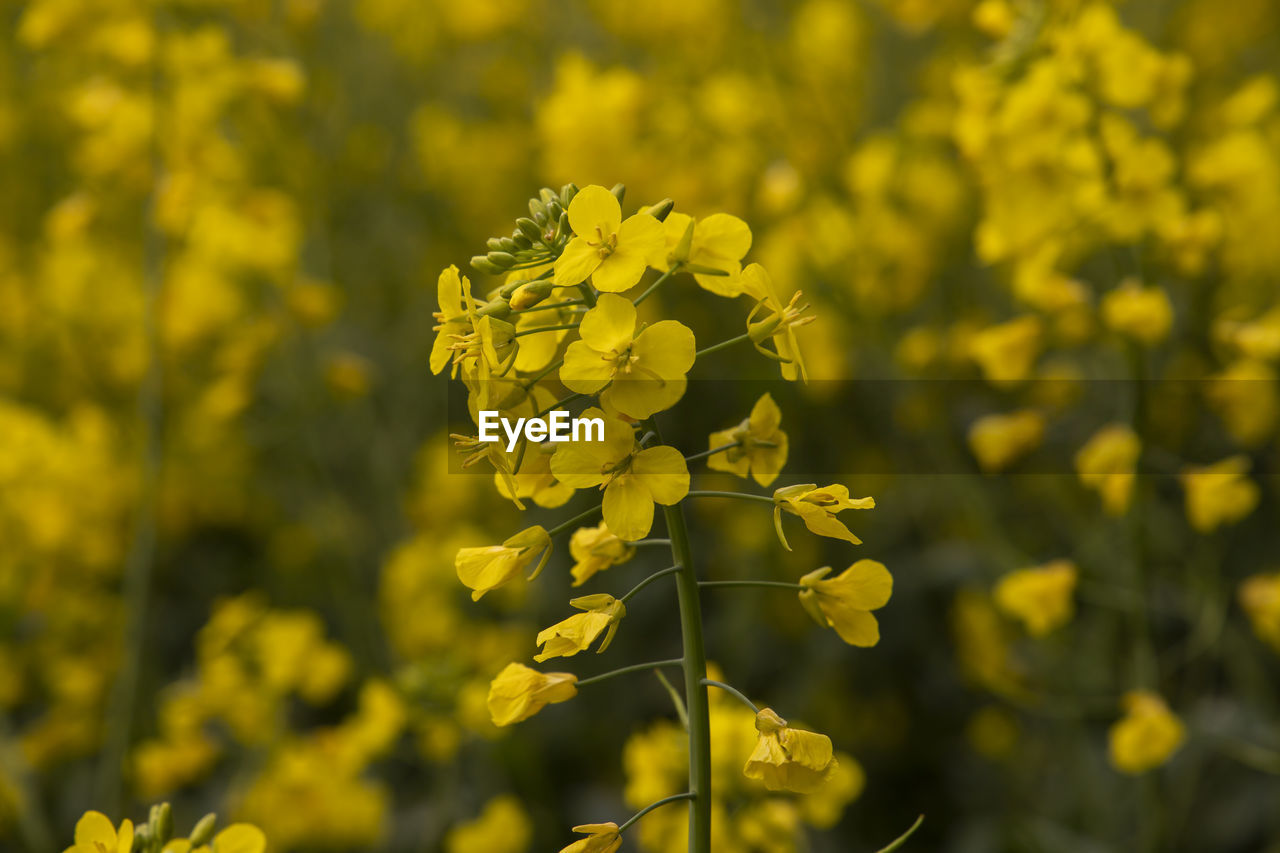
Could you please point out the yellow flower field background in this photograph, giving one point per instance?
(1032, 351)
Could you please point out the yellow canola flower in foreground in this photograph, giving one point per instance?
(601, 838)
(595, 549)
(788, 759)
(579, 631)
(778, 321)
(718, 241)
(486, 568)
(519, 692)
(611, 251)
(1219, 494)
(762, 445)
(817, 508)
(633, 478)
(1039, 597)
(845, 602)
(1146, 736)
(647, 370)
(96, 834)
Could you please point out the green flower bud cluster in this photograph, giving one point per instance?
(537, 239)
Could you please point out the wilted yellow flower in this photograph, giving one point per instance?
(236, 838)
(1107, 463)
(613, 252)
(502, 827)
(633, 479)
(570, 636)
(645, 371)
(489, 567)
(998, 440)
(1147, 735)
(788, 759)
(1144, 314)
(96, 834)
(520, 692)
(817, 508)
(1040, 597)
(601, 838)
(778, 322)
(1260, 598)
(845, 602)
(1006, 352)
(1220, 493)
(595, 549)
(762, 446)
(718, 241)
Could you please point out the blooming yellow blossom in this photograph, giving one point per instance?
(1219, 494)
(1260, 599)
(1146, 736)
(999, 440)
(645, 371)
(1144, 314)
(633, 479)
(570, 636)
(595, 549)
(817, 508)
(1107, 464)
(1039, 597)
(788, 759)
(718, 241)
(454, 293)
(613, 252)
(778, 321)
(96, 834)
(518, 692)
(845, 602)
(601, 838)
(762, 446)
(489, 567)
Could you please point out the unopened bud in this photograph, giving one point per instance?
(537, 210)
(203, 832)
(531, 293)
(481, 263)
(619, 192)
(529, 228)
(660, 210)
(567, 192)
(161, 823)
(503, 260)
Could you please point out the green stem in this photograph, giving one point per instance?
(644, 811)
(588, 294)
(661, 280)
(713, 451)
(732, 691)
(902, 839)
(534, 331)
(562, 402)
(742, 496)
(642, 542)
(722, 345)
(635, 667)
(777, 584)
(653, 577)
(576, 520)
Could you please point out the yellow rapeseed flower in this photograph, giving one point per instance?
(633, 479)
(453, 292)
(718, 241)
(1220, 493)
(595, 549)
(570, 636)
(1142, 313)
(96, 834)
(1039, 597)
(788, 759)
(519, 692)
(845, 602)
(817, 508)
(489, 567)
(1260, 598)
(613, 252)
(601, 838)
(999, 440)
(777, 321)
(646, 371)
(1146, 736)
(1107, 464)
(1006, 352)
(762, 446)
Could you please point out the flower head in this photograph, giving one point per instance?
(817, 508)
(96, 834)
(595, 549)
(762, 446)
(718, 241)
(647, 370)
(788, 759)
(519, 692)
(579, 631)
(1147, 735)
(633, 478)
(601, 838)
(1039, 597)
(777, 321)
(613, 252)
(1219, 494)
(489, 567)
(845, 602)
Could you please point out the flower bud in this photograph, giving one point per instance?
(203, 831)
(481, 263)
(502, 260)
(529, 228)
(619, 192)
(537, 210)
(161, 823)
(660, 210)
(531, 293)
(567, 192)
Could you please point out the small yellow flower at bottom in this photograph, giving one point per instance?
(844, 602)
(96, 834)
(519, 692)
(788, 759)
(817, 508)
(1147, 735)
(570, 636)
(1039, 597)
(601, 838)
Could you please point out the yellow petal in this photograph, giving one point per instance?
(663, 472)
(609, 326)
(666, 348)
(594, 207)
(96, 828)
(585, 370)
(722, 235)
(765, 417)
(620, 271)
(628, 508)
(866, 585)
(578, 261)
(240, 838)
